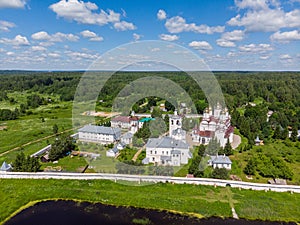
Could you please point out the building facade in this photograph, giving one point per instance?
(167, 151)
(216, 123)
(99, 134)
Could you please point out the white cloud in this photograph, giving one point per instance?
(227, 39)
(168, 37)
(225, 43)
(286, 36)
(136, 37)
(12, 3)
(200, 45)
(88, 34)
(42, 35)
(91, 35)
(161, 14)
(256, 48)
(265, 16)
(57, 37)
(10, 53)
(81, 55)
(236, 35)
(85, 13)
(264, 57)
(38, 48)
(98, 38)
(285, 57)
(5, 25)
(178, 24)
(19, 40)
(123, 25)
(253, 4)
(54, 55)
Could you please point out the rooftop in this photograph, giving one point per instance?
(220, 159)
(166, 142)
(100, 130)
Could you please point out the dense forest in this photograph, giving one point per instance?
(278, 91)
(250, 97)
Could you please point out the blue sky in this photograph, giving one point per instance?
(226, 34)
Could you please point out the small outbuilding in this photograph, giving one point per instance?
(220, 161)
(6, 167)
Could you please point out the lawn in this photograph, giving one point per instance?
(196, 200)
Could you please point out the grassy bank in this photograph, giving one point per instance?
(190, 199)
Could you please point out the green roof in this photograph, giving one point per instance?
(146, 119)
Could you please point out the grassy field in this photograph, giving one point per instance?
(201, 201)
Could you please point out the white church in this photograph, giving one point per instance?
(215, 123)
(170, 150)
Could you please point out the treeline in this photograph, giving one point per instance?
(61, 83)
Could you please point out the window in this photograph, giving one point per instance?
(153, 159)
(155, 152)
(150, 152)
(167, 152)
(163, 152)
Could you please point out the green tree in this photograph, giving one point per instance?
(294, 134)
(61, 146)
(55, 129)
(228, 149)
(250, 167)
(26, 164)
(220, 173)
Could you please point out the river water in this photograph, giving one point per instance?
(74, 213)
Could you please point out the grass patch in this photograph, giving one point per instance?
(188, 199)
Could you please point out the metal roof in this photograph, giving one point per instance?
(220, 159)
(101, 130)
(166, 142)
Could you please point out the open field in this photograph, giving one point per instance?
(188, 199)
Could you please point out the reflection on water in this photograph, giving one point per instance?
(74, 213)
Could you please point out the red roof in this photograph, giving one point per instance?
(122, 119)
(229, 131)
(134, 118)
(205, 133)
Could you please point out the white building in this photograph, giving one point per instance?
(215, 123)
(115, 150)
(99, 134)
(127, 138)
(175, 127)
(167, 151)
(220, 161)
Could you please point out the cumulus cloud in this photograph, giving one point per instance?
(265, 16)
(5, 25)
(285, 57)
(38, 48)
(136, 37)
(225, 43)
(200, 45)
(168, 37)
(19, 40)
(12, 3)
(57, 37)
(227, 39)
(178, 24)
(286, 36)
(123, 25)
(85, 13)
(91, 35)
(161, 14)
(256, 48)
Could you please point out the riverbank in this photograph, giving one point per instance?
(78, 213)
(196, 200)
